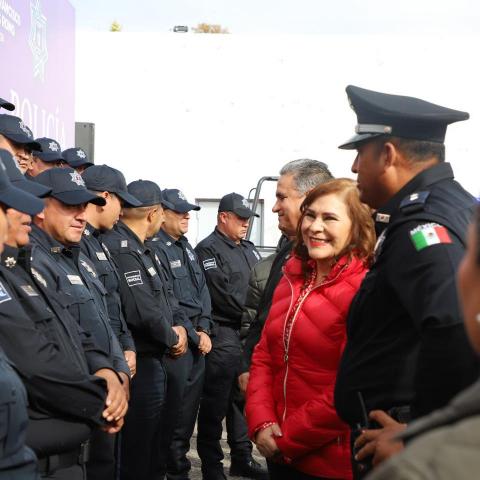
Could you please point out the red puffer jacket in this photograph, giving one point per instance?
(295, 388)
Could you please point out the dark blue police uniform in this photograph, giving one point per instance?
(227, 266)
(189, 287)
(407, 352)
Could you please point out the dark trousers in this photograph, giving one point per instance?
(141, 435)
(221, 370)
(284, 472)
(76, 472)
(178, 465)
(237, 432)
(101, 463)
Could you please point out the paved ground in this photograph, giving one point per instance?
(196, 474)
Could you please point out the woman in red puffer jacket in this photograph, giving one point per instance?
(290, 411)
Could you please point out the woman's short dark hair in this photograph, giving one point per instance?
(362, 236)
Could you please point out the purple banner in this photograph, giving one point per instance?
(37, 65)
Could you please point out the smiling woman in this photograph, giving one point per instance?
(290, 411)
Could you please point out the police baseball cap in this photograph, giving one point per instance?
(103, 178)
(148, 193)
(15, 130)
(49, 151)
(77, 157)
(398, 116)
(18, 180)
(178, 200)
(13, 197)
(234, 202)
(6, 105)
(68, 186)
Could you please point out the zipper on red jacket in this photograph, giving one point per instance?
(291, 329)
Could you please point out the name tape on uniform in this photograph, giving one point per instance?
(210, 263)
(175, 264)
(133, 278)
(74, 279)
(29, 290)
(101, 256)
(152, 271)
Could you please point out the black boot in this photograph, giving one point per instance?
(249, 468)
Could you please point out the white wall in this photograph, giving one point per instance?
(210, 114)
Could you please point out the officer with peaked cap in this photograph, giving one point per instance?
(56, 235)
(227, 260)
(110, 184)
(407, 353)
(189, 285)
(158, 328)
(17, 138)
(49, 155)
(77, 158)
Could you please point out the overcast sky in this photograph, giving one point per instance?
(285, 16)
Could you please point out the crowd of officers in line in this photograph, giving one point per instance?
(115, 332)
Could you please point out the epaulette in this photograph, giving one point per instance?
(415, 202)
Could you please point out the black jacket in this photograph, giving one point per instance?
(73, 280)
(406, 344)
(104, 264)
(227, 268)
(148, 312)
(189, 284)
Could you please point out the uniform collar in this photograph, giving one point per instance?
(227, 240)
(9, 256)
(125, 231)
(383, 216)
(53, 246)
(169, 240)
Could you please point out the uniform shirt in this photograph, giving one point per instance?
(147, 311)
(406, 344)
(17, 461)
(227, 267)
(105, 267)
(73, 278)
(189, 284)
(56, 380)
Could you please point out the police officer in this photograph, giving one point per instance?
(189, 286)
(49, 155)
(227, 260)
(110, 184)
(157, 329)
(65, 401)
(56, 255)
(17, 138)
(407, 353)
(77, 158)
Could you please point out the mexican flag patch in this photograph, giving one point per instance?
(429, 234)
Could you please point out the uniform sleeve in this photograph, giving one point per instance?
(47, 373)
(260, 405)
(425, 283)
(142, 309)
(205, 320)
(223, 294)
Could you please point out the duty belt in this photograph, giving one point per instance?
(52, 463)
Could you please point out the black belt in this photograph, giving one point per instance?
(52, 463)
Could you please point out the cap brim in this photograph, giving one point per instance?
(129, 200)
(34, 188)
(244, 212)
(49, 157)
(185, 207)
(23, 140)
(353, 142)
(77, 197)
(80, 163)
(7, 105)
(22, 201)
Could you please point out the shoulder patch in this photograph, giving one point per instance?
(257, 255)
(101, 256)
(89, 268)
(38, 277)
(429, 234)
(4, 295)
(29, 290)
(175, 263)
(133, 278)
(209, 263)
(152, 271)
(190, 254)
(75, 279)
